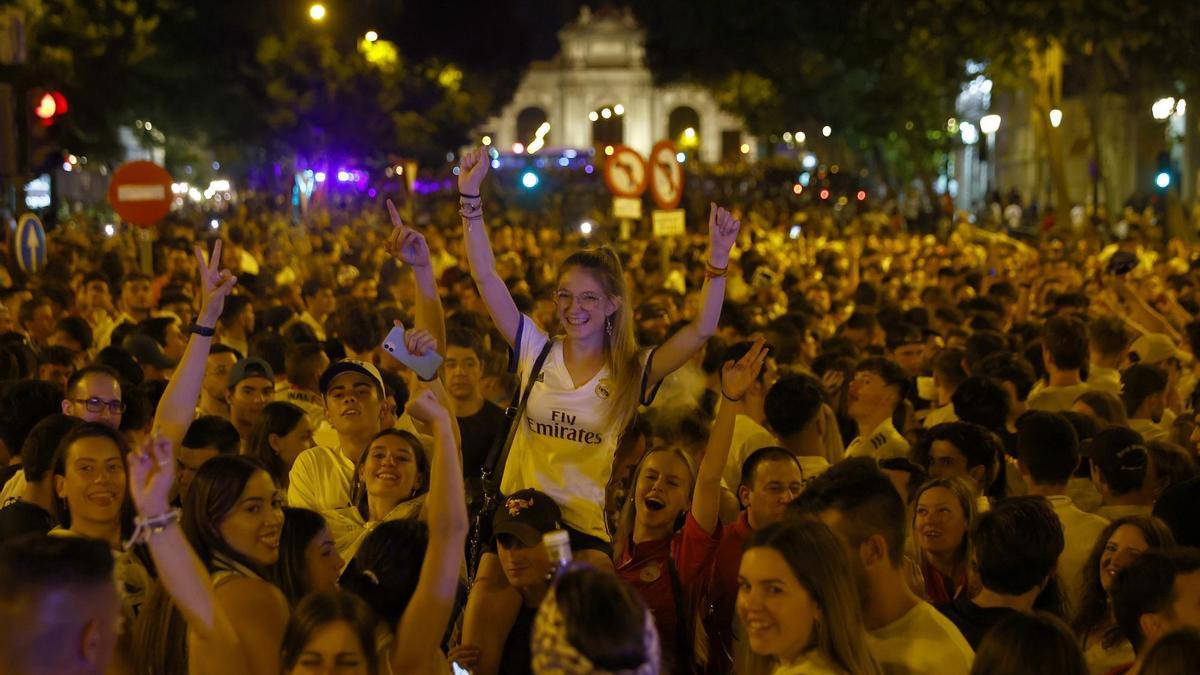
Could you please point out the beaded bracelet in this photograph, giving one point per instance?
(145, 528)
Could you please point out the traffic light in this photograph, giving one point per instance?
(49, 107)
(1162, 178)
(45, 108)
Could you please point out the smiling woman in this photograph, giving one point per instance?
(233, 518)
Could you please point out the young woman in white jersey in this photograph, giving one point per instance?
(593, 379)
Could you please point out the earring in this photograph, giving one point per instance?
(608, 324)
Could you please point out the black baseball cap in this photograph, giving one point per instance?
(147, 351)
(527, 515)
(247, 368)
(349, 366)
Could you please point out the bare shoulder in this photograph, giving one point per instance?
(247, 596)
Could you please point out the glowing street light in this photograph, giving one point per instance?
(371, 36)
(989, 124)
(1055, 118)
(1163, 108)
(745, 148)
(970, 135)
(619, 109)
(316, 12)
(800, 137)
(487, 140)
(689, 133)
(826, 131)
(606, 113)
(593, 116)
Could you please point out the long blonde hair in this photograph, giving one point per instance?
(965, 494)
(628, 515)
(620, 344)
(820, 563)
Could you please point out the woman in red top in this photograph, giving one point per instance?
(665, 535)
(942, 517)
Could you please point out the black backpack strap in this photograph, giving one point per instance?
(499, 455)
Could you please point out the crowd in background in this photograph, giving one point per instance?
(793, 440)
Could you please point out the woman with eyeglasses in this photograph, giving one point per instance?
(593, 379)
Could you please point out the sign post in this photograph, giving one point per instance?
(29, 244)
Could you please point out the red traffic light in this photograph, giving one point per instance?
(50, 105)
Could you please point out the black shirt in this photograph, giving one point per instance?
(972, 620)
(21, 517)
(479, 433)
(517, 658)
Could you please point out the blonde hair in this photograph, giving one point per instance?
(819, 560)
(628, 517)
(965, 494)
(620, 344)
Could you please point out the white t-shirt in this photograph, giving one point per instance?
(1104, 379)
(563, 445)
(14, 488)
(812, 467)
(320, 479)
(921, 641)
(1056, 399)
(1081, 530)
(748, 436)
(882, 443)
(940, 415)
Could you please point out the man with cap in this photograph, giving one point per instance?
(150, 356)
(1159, 350)
(878, 388)
(517, 530)
(251, 387)
(353, 395)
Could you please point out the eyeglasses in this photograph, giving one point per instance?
(586, 301)
(95, 405)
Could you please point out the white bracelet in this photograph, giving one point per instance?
(145, 528)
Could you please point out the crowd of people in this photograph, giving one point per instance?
(783, 443)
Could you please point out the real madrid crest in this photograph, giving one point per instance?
(603, 389)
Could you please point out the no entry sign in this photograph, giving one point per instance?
(140, 192)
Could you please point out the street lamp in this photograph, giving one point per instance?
(371, 36)
(989, 125)
(1163, 108)
(316, 12)
(825, 131)
(1055, 118)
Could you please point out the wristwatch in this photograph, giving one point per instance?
(202, 331)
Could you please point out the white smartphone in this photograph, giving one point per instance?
(459, 670)
(426, 365)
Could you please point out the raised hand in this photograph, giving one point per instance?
(722, 233)
(471, 170)
(404, 243)
(833, 380)
(215, 285)
(151, 476)
(425, 407)
(418, 341)
(738, 376)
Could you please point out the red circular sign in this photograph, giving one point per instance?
(140, 192)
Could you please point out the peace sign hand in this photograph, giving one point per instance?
(215, 285)
(404, 243)
(722, 233)
(152, 475)
(738, 376)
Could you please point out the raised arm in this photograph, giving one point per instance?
(736, 379)
(409, 247)
(500, 305)
(178, 405)
(420, 629)
(151, 475)
(722, 233)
